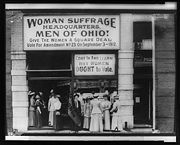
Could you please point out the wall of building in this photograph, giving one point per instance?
(19, 82)
(16, 83)
(19, 85)
(165, 72)
(125, 69)
(9, 117)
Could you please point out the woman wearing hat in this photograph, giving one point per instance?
(96, 124)
(106, 104)
(32, 117)
(77, 104)
(116, 118)
(57, 107)
(39, 106)
(87, 113)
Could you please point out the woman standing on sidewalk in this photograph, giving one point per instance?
(87, 113)
(96, 124)
(106, 104)
(39, 106)
(57, 106)
(116, 117)
(32, 116)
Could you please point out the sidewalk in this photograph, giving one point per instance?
(135, 134)
(85, 132)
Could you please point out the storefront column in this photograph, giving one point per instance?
(18, 73)
(19, 92)
(125, 69)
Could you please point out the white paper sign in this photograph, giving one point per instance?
(75, 32)
(137, 99)
(94, 64)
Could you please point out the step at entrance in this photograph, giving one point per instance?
(142, 126)
(141, 130)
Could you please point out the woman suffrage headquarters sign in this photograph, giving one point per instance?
(71, 32)
(94, 64)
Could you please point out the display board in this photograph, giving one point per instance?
(71, 32)
(94, 64)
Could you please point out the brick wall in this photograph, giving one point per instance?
(165, 72)
(8, 73)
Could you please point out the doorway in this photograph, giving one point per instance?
(61, 88)
(143, 102)
(143, 73)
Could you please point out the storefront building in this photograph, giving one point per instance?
(92, 51)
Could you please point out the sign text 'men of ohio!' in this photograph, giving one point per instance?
(94, 64)
(71, 32)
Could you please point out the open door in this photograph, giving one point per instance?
(143, 73)
(143, 102)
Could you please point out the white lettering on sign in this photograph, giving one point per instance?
(71, 32)
(94, 64)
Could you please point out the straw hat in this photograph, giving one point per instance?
(58, 96)
(31, 93)
(95, 95)
(105, 95)
(116, 97)
(52, 91)
(76, 95)
(100, 97)
(37, 97)
(106, 92)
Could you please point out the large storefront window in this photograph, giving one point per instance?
(65, 74)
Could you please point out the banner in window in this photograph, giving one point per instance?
(94, 64)
(71, 32)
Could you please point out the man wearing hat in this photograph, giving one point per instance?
(44, 114)
(51, 107)
(32, 116)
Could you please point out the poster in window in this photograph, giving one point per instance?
(94, 64)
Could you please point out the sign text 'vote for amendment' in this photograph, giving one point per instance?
(71, 32)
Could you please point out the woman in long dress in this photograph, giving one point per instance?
(87, 113)
(77, 104)
(116, 117)
(57, 107)
(51, 109)
(39, 106)
(106, 104)
(32, 116)
(96, 124)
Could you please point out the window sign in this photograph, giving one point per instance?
(71, 32)
(137, 99)
(94, 64)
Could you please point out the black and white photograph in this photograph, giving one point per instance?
(90, 71)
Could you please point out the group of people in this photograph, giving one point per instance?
(97, 114)
(100, 114)
(37, 106)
